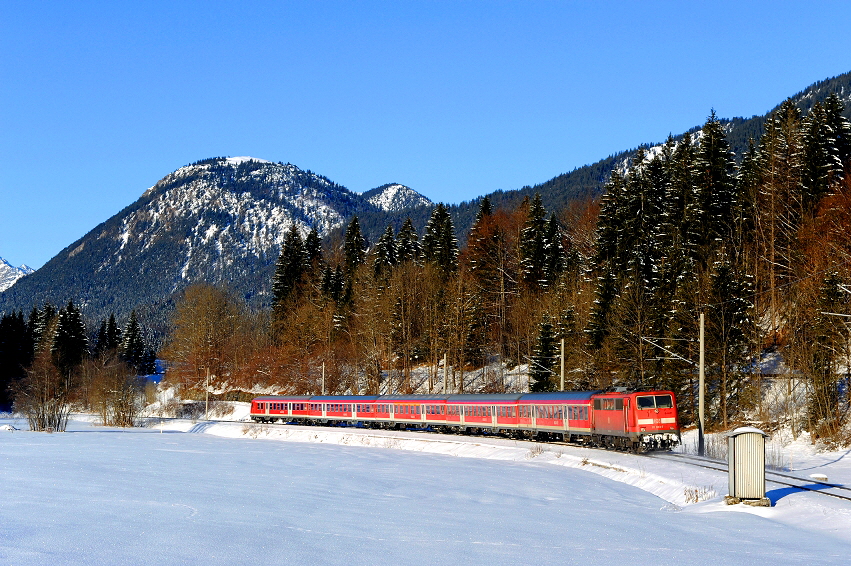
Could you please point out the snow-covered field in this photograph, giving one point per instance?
(228, 493)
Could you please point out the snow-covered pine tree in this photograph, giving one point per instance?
(38, 325)
(70, 342)
(715, 188)
(779, 204)
(830, 336)
(439, 244)
(826, 140)
(840, 128)
(313, 251)
(384, 254)
(132, 350)
(533, 245)
(408, 243)
(354, 248)
(109, 336)
(290, 271)
(605, 265)
(544, 360)
(554, 254)
(729, 331)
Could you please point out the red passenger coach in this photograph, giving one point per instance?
(635, 420)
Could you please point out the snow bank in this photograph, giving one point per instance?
(637, 471)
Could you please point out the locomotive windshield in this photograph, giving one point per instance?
(654, 402)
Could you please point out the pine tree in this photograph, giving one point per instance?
(133, 350)
(543, 362)
(840, 129)
(780, 204)
(108, 337)
(113, 333)
(333, 283)
(289, 272)
(729, 330)
(408, 243)
(354, 248)
(39, 324)
(16, 352)
(533, 252)
(439, 245)
(313, 249)
(826, 140)
(830, 339)
(606, 263)
(70, 342)
(715, 187)
(554, 255)
(384, 254)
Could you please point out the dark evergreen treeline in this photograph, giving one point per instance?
(50, 360)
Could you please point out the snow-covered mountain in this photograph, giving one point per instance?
(219, 220)
(395, 197)
(9, 274)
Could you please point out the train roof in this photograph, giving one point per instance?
(484, 398)
(559, 396)
(554, 396)
(413, 397)
(336, 398)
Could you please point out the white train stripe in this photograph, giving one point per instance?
(665, 420)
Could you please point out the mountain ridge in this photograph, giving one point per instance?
(220, 220)
(223, 219)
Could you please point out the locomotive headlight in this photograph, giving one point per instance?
(643, 429)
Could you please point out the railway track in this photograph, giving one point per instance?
(804, 484)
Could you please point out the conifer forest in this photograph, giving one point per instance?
(758, 243)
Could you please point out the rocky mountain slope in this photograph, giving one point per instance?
(219, 220)
(9, 274)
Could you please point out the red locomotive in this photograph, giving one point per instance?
(638, 421)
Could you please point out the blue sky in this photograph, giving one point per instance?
(100, 100)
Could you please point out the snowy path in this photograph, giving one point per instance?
(97, 495)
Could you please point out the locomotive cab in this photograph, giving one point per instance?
(656, 419)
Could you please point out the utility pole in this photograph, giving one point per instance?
(323, 378)
(700, 385)
(562, 365)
